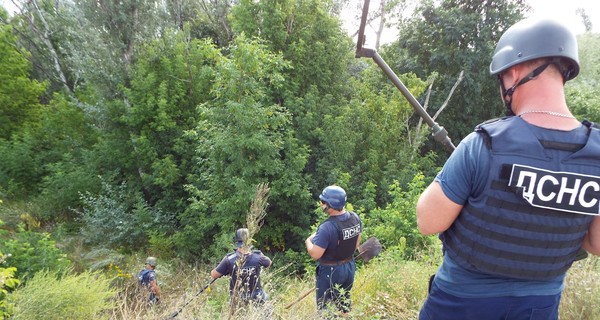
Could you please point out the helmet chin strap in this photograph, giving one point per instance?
(507, 93)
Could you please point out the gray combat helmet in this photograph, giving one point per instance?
(535, 38)
(241, 237)
(151, 261)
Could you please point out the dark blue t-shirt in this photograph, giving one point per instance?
(250, 271)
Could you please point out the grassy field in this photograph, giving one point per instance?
(386, 288)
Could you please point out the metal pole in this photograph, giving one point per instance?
(439, 133)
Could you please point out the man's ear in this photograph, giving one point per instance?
(513, 75)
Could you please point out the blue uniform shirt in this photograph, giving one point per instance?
(465, 175)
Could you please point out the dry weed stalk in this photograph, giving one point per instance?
(254, 221)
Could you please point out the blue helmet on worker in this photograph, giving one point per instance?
(334, 197)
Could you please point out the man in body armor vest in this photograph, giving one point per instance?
(333, 245)
(513, 203)
(147, 279)
(244, 266)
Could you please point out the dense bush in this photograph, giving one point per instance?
(396, 224)
(31, 252)
(56, 295)
(113, 220)
(8, 282)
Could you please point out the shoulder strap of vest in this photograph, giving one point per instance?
(572, 147)
(487, 139)
(232, 257)
(337, 226)
(353, 215)
(590, 124)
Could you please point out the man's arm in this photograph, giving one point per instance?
(314, 251)
(435, 211)
(265, 261)
(154, 287)
(591, 242)
(215, 274)
(222, 268)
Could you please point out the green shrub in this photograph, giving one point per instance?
(396, 224)
(53, 295)
(117, 219)
(31, 252)
(8, 282)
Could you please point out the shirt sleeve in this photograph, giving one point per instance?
(224, 267)
(464, 174)
(264, 261)
(323, 236)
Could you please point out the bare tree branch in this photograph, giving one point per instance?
(445, 104)
(45, 36)
(417, 139)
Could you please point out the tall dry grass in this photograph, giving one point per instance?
(581, 297)
(385, 288)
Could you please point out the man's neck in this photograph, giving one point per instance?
(541, 102)
(336, 212)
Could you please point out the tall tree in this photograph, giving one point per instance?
(244, 139)
(19, 95)
(171, 77)
(451, 37)
(309, 36)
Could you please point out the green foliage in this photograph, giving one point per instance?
(49, 155)
(373, 142)
(170, 79)
(31, 252)
(19, 95)
(448, 37)
(312, 41)
(584, 101)
(62, 186)
(161, 245)
(117, 219)
(8, 282)
(582, 92)
(396, 224)
(101, 259)
(57, 295)
(244, 139)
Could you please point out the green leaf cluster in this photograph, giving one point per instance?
(396, 224)
(31, 252)
(19, 93)
(8, 282)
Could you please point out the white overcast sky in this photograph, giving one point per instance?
(564, 10)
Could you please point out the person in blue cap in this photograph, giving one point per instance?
(333, 246)
(244, 266)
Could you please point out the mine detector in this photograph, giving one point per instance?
(438, 132)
